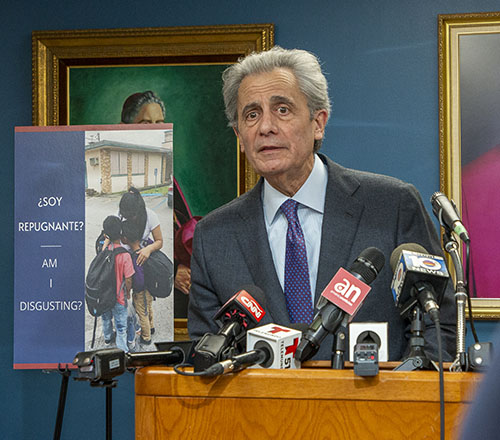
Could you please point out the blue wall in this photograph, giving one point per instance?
(381, 57)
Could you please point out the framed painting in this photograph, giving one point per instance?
(83, 77)
(469, 136)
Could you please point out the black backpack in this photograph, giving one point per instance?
(100, 282)
(158, 275)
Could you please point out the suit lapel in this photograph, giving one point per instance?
(340, 223)
(254, 245)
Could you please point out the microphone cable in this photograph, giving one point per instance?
(441, 378)
(469, 277)
(184, 364)
(178, 370)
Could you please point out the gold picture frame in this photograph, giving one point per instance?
(452, 29)
(55, 52)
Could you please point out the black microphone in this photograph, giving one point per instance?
(447, 214)
(418, 277)
(341, 296)
(170, 357)
(241, 312)
(103, 365)
(262, 355)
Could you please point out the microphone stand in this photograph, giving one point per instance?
(108, 385)
(417, 359)
(66, 373)
(339, 342)
(450, 245)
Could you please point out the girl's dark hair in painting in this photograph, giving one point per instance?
(134, 102)
(133, 208)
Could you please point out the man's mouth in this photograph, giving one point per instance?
(269, 148)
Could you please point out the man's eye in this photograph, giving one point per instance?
(251, 115)
(283, 110)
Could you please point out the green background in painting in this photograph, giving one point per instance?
(205, 151)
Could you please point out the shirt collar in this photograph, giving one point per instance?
(311, 193)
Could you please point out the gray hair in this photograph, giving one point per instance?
(304, 65)
(133, 104)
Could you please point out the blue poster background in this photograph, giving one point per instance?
(49, 265)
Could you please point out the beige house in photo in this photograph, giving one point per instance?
(113, 166)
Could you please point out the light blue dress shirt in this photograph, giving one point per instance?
(311, 197)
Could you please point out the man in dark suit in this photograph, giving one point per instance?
(278, 105)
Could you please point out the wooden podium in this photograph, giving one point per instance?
(310, 403)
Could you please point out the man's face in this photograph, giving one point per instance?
(149, 114)
(275, 128)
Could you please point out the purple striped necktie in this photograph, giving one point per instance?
(297, 284)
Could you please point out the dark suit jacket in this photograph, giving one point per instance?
(231, 248)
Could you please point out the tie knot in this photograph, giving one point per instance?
(289, 208)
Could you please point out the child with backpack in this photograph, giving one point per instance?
(124, 270)
(142, 299)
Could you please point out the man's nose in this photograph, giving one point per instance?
(268, 123)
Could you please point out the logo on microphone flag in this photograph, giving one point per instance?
(283, 342)
(346, 291)
(253, 307)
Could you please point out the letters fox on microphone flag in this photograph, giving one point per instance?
(68, 179)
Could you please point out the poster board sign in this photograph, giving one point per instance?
(68, 179)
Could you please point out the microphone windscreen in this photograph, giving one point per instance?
(368, 264)
(396, 253)
(256, 292)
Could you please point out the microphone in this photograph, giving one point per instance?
(259, 356)
(418, 277)
(102, 365)
(170, 357)
(283, 342)
(272, 346)
(241, 312)
(344, 294)
(447, 214)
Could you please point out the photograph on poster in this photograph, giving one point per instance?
(117, 161)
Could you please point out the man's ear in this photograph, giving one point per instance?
(242, 147)
(321, 118)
